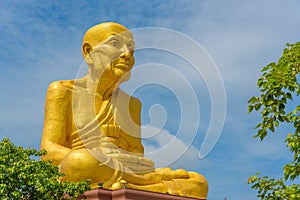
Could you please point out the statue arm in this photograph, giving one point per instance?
(54, 133)
(135, 140)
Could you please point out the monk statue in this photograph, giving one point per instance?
(92, 128)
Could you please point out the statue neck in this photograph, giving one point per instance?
(104, 85)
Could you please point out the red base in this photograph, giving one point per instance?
(128, 194)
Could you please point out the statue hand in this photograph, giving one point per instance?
(134, 163)
(159, 175)
(111, 130)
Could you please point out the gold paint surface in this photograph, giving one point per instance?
(92, 127)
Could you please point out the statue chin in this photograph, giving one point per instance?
(122, 74)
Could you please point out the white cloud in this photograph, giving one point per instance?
(166, 150)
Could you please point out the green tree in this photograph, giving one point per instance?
(24, 176)
(279, 89)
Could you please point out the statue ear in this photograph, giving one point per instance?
(86, 49)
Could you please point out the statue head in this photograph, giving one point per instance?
(108, 47)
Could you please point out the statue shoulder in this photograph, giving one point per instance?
(60, 87)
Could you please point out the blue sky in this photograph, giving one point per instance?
(40, 42)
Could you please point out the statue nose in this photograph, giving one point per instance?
(125, 53)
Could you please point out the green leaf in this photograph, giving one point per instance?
(289, 96)
(250, 108)
(252, 100)
(257, 106)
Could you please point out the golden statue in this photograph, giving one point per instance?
(92, 127)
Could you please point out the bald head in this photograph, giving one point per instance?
(99, 33)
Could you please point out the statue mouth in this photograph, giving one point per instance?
(122, 65)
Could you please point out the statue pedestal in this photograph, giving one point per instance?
(128, 194)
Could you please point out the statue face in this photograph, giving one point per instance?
(115, 54)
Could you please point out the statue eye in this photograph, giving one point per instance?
(115, 43)
(131, 51)
(130, 48)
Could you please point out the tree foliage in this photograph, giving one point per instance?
(24, 176)
(279, 89)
